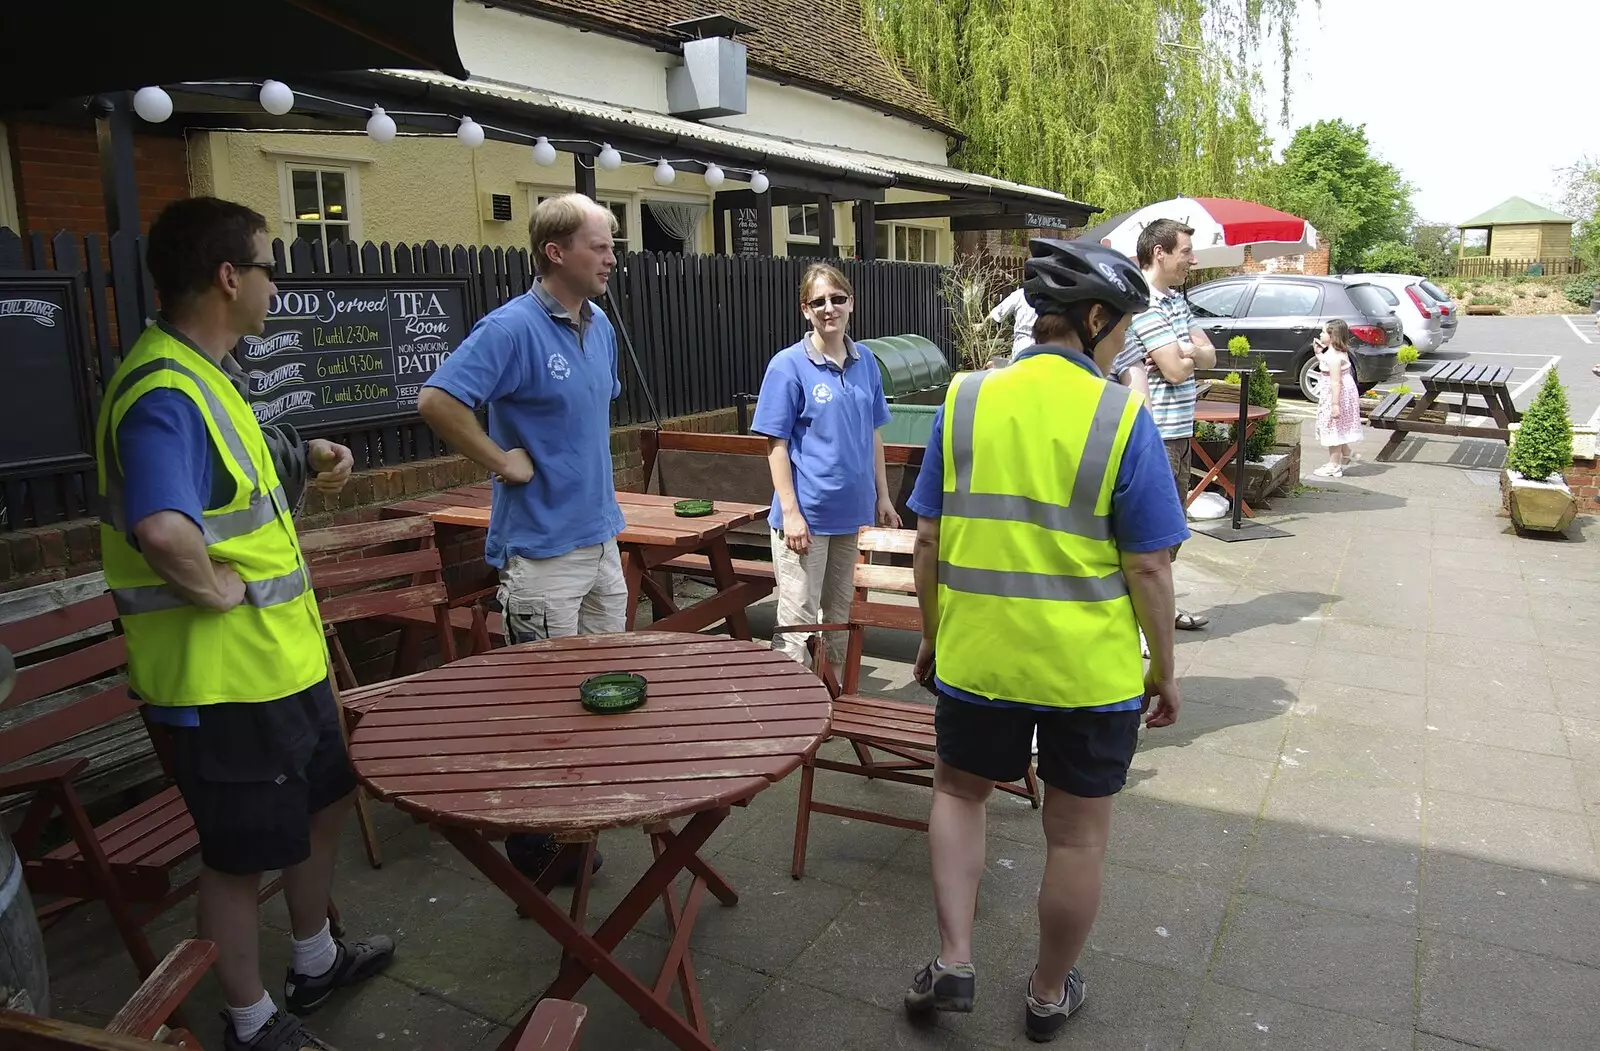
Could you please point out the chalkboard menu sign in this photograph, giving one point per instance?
(341, 350)
(45, 420)
(746, 231)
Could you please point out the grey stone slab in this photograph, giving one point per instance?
(1564, 634)
(1501, 998)
(775, 920)
(1512, 661)
(1158, 920)
(1502, 773)
(1227, 656)
(1270, 694)
(1239, 731)
(1503, 581)
(1486, 615)
(1174, 840)
(1511, 834)
(791, 1014)
(1404, 607)
(387, 1014)
(1526, 690)
(1315, 743)
(1333, 960)
(1319, 801)
(1392, 674)
(1577, 686)
(1333, 870)
(1362, 705)
(1428, 1042)
(1230, 1019)
(1200, 777)
(1365, 639)
(1480, 722)
(1448, 556)
(1520, 909)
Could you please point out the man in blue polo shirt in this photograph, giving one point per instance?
(545, 364)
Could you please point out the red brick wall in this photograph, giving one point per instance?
(1584, 478)
(58, 176)
(1314, 262)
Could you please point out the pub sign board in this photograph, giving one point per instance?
(46, 409)
(342, 351)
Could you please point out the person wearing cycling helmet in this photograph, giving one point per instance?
(1046, 512)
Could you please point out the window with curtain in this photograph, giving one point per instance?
(679, 219)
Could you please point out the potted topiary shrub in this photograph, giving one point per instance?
(1535, 491)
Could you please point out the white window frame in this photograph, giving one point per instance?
(802, 238)
(8, 188)
(352, 192)
(629, 201)
(927, 231)
(705, 200)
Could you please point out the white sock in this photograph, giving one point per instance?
(315, 955)
(248, 1021)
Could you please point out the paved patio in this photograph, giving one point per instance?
(1375, 827)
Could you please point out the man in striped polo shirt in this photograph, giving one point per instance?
(1163, 349)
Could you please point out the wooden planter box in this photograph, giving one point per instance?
(1538, 507)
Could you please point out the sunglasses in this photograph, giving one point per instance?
(270, 269)
(838, 299)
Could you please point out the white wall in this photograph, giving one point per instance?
(503, 45)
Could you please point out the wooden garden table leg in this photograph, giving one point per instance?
(722, 573)
(1216, 471)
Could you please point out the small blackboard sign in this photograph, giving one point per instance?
(45, 420)
(746, 231)
(342, 350)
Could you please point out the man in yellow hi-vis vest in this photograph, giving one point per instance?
(1045, 514)
(225, 644)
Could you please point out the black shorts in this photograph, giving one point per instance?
(253, 774)
(1081, 753)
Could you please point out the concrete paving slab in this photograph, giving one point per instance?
(1232, 1019)
(1530, 690)
(1353, 751)
(1536, 912)
(1368, 875)
(1322, 800)
(1500, 998)
(1502, 773)
(1319, 958)
(1163, 921)
(1362, 706)
(1511, 834)
(1200, 777)
(1393, 674)
(1180, 841)
(1493, 723)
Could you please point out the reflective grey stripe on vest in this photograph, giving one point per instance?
(263, 507)
(1078, 517)
(157, 598)
(1047, 586)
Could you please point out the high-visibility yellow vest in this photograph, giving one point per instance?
(1033, 606)
(271, 644)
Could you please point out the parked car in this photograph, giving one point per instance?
(1421, 316)
(1281, 314)
(1450, 314)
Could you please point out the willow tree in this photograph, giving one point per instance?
(1115, 102)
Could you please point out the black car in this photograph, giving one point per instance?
(1281, 314)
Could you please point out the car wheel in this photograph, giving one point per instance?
(1311, 379)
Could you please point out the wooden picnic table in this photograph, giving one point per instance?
(1215, 470)
(653, 535)
(499, 743)
(1402, 412)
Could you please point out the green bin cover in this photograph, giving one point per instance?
(909, 424)
(908, 364)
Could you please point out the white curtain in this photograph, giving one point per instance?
(678, 219)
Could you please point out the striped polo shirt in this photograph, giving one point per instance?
(1167, 321)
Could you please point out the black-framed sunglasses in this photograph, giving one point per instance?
(838, 299)
(270, 269)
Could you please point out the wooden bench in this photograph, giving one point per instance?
(72, 680)
(1460, 381)
(869, 576)
(901, 730)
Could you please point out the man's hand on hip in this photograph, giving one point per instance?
(516, 468)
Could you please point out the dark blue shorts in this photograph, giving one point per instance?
(253, 774)
(1081, 753)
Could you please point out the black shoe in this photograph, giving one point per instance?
(284, 1033)
(942, 987)
(355, 962)
(533, 854)
(1044, 1021)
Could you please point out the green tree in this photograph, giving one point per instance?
(1580, 198)
(1330, 176)
(1391, 257)
(1435, 245)
(1115, 102)
(1543, 444)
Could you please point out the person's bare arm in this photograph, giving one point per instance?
(458, 425)
(1203, 353)
(1170, 360)
(925, 575)
(1137, 378)
(887, 516)
(176, 550)
(796, 533)
(1149, 577)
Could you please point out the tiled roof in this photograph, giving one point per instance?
(1515, 210)
(819, 44)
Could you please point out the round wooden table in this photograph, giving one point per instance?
(499, 743)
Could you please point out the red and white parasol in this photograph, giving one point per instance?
(1223, 228)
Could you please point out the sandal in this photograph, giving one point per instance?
(1190, 621)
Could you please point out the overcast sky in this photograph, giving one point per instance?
(1474, 100)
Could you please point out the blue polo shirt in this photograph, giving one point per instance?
(548, 380)
(1145, 513)
(828, 416)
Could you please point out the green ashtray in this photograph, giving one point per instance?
(613, 692)
(693, 508)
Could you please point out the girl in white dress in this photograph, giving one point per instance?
(1339, 405)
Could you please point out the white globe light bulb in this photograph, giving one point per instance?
(276, 98)
(665, 173)
(380, 126)
(714, 176)
(759, 182)
(544, 154)
(609, 160)
(153, 104)
(470, 133)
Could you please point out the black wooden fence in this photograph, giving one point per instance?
(703, 327)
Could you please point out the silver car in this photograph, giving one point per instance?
(1450, 314)
(1420, 314)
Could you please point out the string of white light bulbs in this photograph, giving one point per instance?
(153, 104)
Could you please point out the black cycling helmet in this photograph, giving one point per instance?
(1065, 277)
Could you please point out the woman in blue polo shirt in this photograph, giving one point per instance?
(821, 406)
